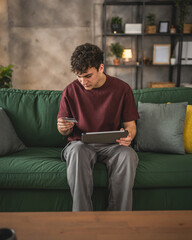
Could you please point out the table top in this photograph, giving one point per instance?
(135, 225)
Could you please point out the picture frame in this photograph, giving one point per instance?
(163, 26)
(161, 54)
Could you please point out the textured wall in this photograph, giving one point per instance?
(41, 37)
(38, 38)
(4, 36)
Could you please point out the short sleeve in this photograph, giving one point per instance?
(130, 112)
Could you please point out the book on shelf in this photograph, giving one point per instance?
(186, 58)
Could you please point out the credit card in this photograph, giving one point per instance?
(69, 119)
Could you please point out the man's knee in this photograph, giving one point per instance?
(128, 157)
(79, 152)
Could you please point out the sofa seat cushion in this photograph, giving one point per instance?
(163, 170)
(41, 168)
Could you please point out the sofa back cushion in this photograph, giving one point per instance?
(33, 115)
(163, 95)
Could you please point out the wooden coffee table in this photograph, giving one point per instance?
(136, 225)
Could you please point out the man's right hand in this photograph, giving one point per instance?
(64, 127)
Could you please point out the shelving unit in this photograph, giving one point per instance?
(140, 39)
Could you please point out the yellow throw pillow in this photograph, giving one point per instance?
(188, 130)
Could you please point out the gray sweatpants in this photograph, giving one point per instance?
(121, 162)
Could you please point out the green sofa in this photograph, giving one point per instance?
(35, 179)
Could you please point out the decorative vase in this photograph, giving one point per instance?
(172, 29)
(187, 28)
(116, 28)
(173, 61)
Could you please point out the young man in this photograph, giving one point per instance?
(98, 102)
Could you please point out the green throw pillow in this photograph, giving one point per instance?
(9, 141)
(160, 127)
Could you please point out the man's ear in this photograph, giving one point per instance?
(101, 68)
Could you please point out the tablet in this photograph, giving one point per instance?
(103, 137)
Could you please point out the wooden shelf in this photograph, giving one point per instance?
(140, 38)
(122, 65)
(139, 3)
(145, 34)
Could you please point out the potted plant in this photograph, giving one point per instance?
(183, 12)
(117, 51)
(151, 27)
(116, 25)
(6, 76)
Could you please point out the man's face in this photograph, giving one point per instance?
(92, 78)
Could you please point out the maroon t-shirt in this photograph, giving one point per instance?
(99, 109)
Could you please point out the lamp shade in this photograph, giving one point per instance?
(127, 53)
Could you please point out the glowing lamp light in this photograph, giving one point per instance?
(127, 54)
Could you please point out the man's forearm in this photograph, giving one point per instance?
(131, 127)
(131, 130)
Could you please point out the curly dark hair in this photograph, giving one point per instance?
(86, 56)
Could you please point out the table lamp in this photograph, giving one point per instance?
(127, 54)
